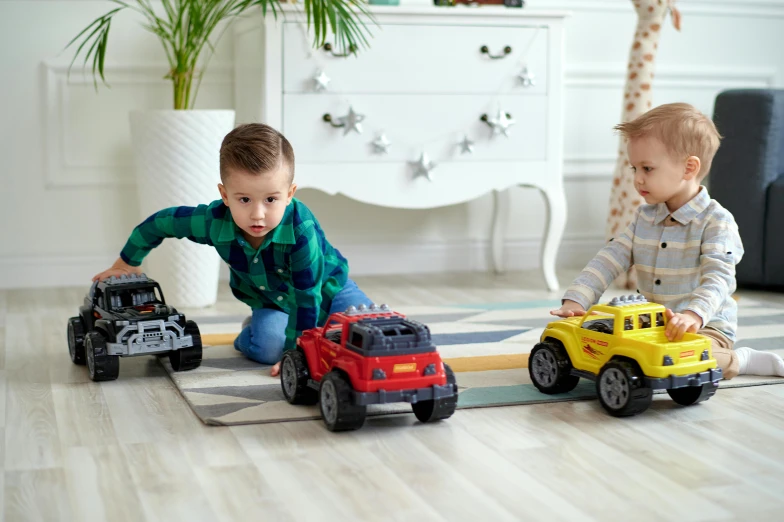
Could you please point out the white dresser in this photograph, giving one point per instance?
(431, 78)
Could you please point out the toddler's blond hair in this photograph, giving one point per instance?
(682, 129)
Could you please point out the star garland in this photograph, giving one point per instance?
(499, 123)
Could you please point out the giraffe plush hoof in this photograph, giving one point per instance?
(627, 281)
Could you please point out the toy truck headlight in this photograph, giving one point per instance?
(379, 374)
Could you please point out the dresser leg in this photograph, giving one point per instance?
(555, 201)
(500, 213)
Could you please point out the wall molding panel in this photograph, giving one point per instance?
(613, 76)
(64, 167)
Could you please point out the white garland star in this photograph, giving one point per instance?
(501, 123)
(351, 121)
(381, 144)
(320, 81)
(526, 79)
(422, 166)
(466, 145)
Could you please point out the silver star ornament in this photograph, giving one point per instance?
(466, 145)
(501, 123)
(526, 78)
(351, 122)
(381, 144)
(320, 81)
(422, 166)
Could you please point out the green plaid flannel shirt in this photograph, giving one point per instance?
(295, 269)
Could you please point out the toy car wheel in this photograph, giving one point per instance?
(621, 389)
(187, 358)
(693, 394)
(76, 340)
(100, 365)
(294, 377)
(438, 409)
(549, 367)
(339, 411)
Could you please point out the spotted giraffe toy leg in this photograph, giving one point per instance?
(637, 99)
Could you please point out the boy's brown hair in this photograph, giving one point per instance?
(682, 129)
(256, 148)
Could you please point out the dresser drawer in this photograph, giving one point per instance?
(413, 123)
(422, 59)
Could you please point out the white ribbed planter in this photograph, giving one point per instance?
(176, 154)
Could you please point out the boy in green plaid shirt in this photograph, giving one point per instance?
(281, 263)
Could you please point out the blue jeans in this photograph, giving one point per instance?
(263, 340)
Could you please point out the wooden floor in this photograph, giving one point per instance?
(133, 450)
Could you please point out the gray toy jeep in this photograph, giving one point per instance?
(127, 316)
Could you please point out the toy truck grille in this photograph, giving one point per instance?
(389, 336)
(149, 337)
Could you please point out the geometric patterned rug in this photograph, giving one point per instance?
(486, 344)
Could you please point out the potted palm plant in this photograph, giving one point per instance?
(176, 151)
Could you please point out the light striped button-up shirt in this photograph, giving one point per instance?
(685, 260)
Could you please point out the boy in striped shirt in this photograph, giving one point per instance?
(683, 244)
(281, 263)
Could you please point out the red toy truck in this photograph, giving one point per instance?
(368, 355)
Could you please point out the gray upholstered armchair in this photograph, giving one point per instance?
(747, 178)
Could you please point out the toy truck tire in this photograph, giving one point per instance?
(549, 367)
(188, 358)
(76, 341)
(438, 409)
(693, 394)
(337, 404)
(621, 389)
(100, 365)
(294, 377)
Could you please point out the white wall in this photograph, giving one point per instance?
(68, 201)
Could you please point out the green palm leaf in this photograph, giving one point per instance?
(186, 28)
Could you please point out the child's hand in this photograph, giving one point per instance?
(119, 268)
(679, 324)
(275, 371)
(569, 309)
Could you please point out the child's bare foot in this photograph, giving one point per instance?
(275, 371)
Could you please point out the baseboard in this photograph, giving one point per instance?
(365, 259)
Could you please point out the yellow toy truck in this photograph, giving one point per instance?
(622, 346)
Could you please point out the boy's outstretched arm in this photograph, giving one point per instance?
(611, 261)
(181, 222)
(720, 251)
